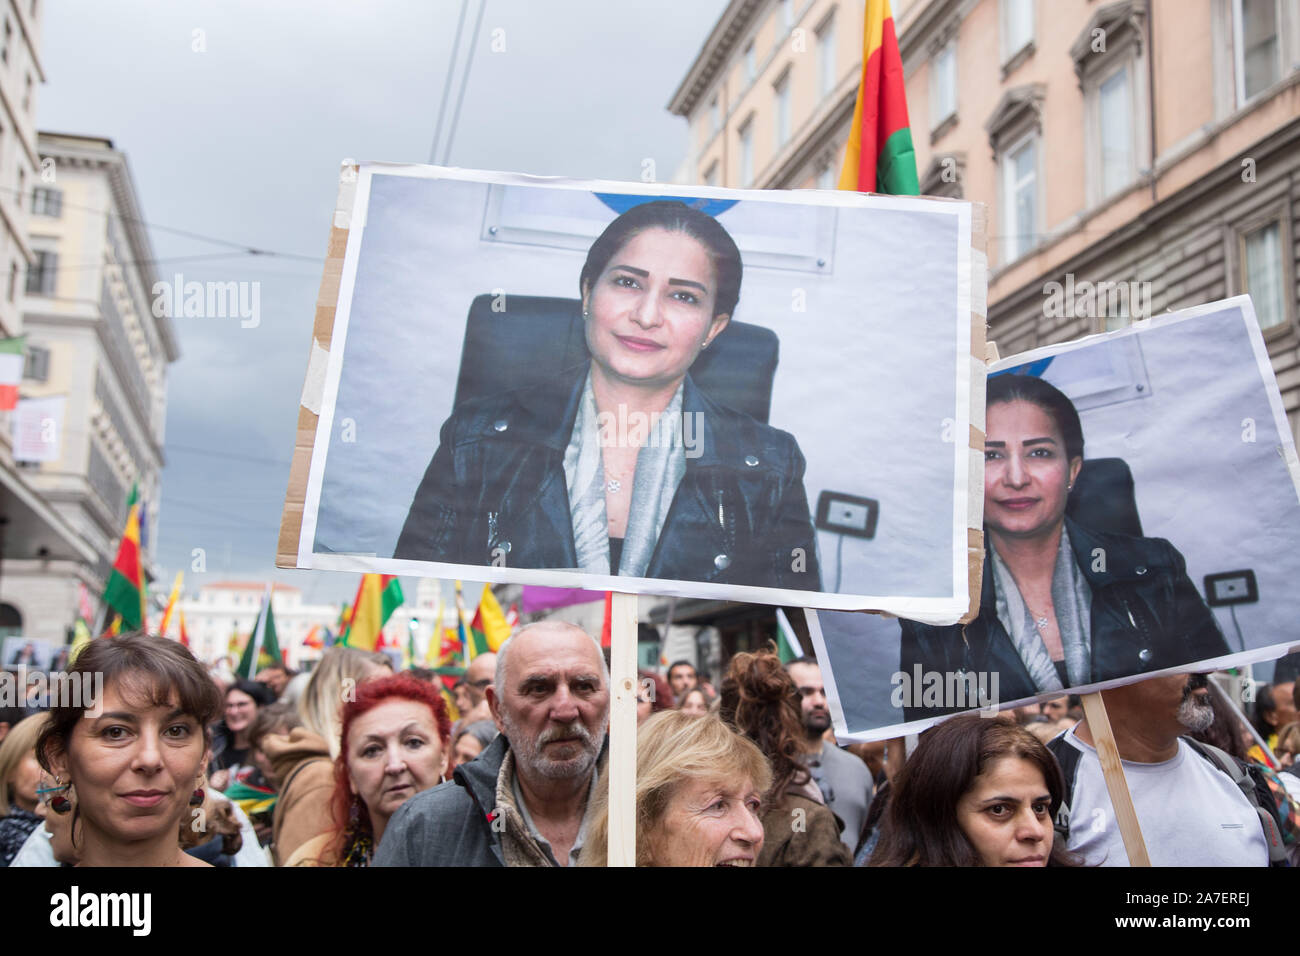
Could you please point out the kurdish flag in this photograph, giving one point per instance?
(185, 635)
(377, 597)
(787, 642)
(472, 642)
(11, 371)
(879, 157)
(171, 604)
(124, 592)
(490, 621)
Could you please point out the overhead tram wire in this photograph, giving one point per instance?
(446, 84)
(460, 99)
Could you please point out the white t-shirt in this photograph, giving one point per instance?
(1190, 811)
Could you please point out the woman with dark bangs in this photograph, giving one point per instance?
(133, 761)
(977, 792)
(395, 743)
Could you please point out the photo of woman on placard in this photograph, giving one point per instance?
(625, 466)
(1064, 604)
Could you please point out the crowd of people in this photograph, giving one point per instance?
(355, 765)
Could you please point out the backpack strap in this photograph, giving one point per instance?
(1249, 786)
(1067, 755)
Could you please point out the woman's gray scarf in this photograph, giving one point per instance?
(660, 465)
(1072, 598)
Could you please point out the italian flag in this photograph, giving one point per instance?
(11, 371)
(377, 597)
(124, 592)
(879, 157)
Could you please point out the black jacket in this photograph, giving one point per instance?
(1146, 615)
(495, 492)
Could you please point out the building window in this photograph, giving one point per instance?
(41, 276)
(787, 14)
(13, 280)
(751, 64)
(1112, 77)
(22, 187)
(36, 366)
(8, 38)
(1256, 46)
(47, 202)
(711, 175)
(828, 178)
(1263, 278)
(781, 89)
(27, 95)
(943, 84)
(1115, 132)
(1017, 30)
(826, 57)
(747, 153)
(1020, 198)
(715, 116)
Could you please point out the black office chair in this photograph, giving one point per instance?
(1103, 497)
(537, 338)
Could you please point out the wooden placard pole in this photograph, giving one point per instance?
(622, 731)
(1120, 799)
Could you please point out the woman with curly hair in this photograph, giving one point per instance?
(760, 700)
(395, 743)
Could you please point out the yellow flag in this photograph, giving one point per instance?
(171, 604)
(493, 620)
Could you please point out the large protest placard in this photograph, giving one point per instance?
(1141, 516)
(754, 396)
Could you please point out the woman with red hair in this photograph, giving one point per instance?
(394, 743)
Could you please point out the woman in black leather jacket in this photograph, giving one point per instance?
(623, 466)
(1062, 605)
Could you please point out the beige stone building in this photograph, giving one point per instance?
(94, 339)
(1138, 141)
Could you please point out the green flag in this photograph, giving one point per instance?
(787, 643)
(262, 649)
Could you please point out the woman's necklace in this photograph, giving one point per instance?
(614, 479)
(1040, 621)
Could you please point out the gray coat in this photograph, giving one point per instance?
(449, 825)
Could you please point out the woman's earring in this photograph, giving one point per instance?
(196, 798)
(704, 346)
(60, 803)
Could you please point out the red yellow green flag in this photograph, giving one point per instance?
(185, 636)
(171, 604)
(377, 597)
(879, 157)
(124, 592)
(490, 620)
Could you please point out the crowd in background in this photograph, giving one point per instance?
(355, 765)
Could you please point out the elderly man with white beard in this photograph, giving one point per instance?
(523, 801)
(1191, 809)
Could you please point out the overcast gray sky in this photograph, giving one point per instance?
(242, 141)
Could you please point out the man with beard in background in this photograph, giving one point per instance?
(523, 801)
(1191, 811)
(845, 781)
